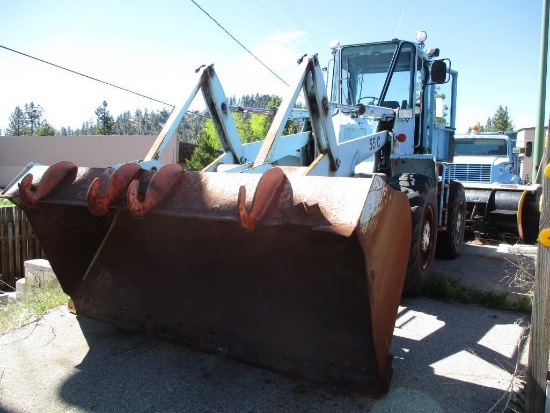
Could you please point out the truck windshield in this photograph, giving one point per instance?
(481, 147)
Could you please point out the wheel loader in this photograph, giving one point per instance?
(290, 253)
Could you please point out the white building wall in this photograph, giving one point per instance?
(16, 152)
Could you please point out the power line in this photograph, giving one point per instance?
(315, 42)
(87, 76)
(297, 47)
(239, 43)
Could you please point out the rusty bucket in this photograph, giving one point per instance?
(298, 274)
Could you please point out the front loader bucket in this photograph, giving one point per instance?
(302, 275)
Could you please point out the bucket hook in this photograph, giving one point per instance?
(117, 186)
(268, 190)
(161, 183)
(54, 175)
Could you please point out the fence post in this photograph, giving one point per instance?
(17, 244)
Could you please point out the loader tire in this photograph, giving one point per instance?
(450, 241)
(422, 198)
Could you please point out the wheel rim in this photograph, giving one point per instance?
(427, 237)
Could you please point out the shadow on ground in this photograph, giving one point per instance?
(448, 358)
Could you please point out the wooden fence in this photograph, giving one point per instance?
(18, 243)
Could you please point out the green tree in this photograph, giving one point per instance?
(17, 123)
(204, 154)
(65, 131)
(189, 128)
(260, 124)
(500, 121)
(105, 122)
(243, 127)
(34, 115)
(210, 134)
(124, 124)
(45, 129)
(441, 120)
(87, 128)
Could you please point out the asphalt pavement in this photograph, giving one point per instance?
(447, 358)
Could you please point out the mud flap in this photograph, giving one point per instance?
(302, 275)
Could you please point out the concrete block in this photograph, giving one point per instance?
(39, 273)
(21, 285)
(22, 289)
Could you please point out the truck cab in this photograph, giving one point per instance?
(485, 158)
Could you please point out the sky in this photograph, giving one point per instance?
(153, 48)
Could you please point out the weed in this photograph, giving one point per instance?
(33, 305)
(524, 274)
(447, 288)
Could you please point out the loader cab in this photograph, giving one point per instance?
(404, 77)
(376, 74)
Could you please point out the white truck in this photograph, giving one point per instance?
(486, 158)
(500, 205)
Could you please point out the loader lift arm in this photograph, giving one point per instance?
(258, 157)
(216, 103)
(309, 79)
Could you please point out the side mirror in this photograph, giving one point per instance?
(528, 149)
(439, 72)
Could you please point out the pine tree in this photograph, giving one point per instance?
(204, 154)
(34, 116)
(45, 129)
(105, 122)
(17, 123)
(500, 121)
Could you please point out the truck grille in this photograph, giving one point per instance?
(470, 172)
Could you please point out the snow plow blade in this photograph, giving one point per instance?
(302, 275)
(504, 212)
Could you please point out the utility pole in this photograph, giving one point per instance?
(539, 127)
(539, 343)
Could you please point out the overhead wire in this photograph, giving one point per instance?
(299, 21)
(140, 94)
(276, 23)
(86, 76)
(238, 42)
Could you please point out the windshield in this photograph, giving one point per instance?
(364, 73)
(481, 147)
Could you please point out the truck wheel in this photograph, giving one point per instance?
(451, 241)
(421, 193)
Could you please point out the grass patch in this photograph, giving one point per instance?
(449, 289)
(19, 313)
